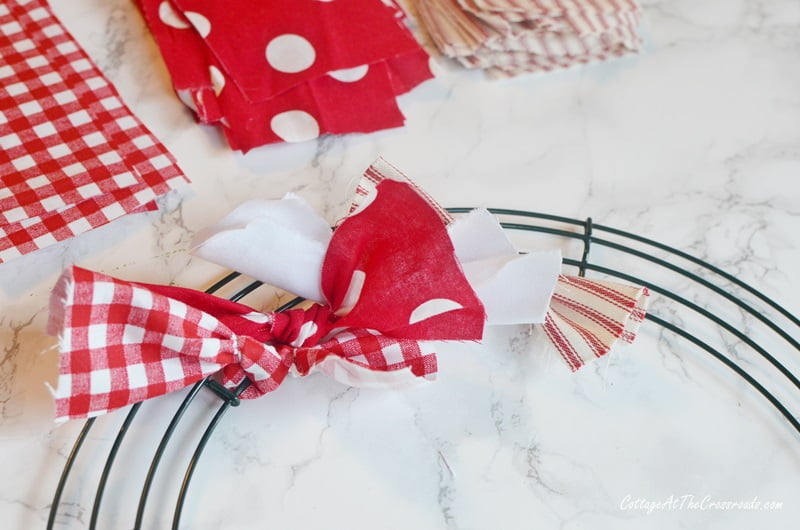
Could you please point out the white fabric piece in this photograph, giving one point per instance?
(352, 374)
(478, 235)
(514, 288)
(279, 242)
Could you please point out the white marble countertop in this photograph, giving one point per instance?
(694, 143)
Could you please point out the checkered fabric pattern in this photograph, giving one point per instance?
(72, 155)
(372, 350)
(123, 342)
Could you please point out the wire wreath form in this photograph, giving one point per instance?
(779, 330)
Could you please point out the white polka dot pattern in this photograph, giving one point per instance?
(431, 308)
(170, 17)
(308, 329)
(350, 75)
(217, 79)
(289, 70)
(200, 23)
(290, 53)
(295, 126)
(353, 292)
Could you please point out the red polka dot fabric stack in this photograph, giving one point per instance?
(72, 156)
(512, 37)
(288, 70)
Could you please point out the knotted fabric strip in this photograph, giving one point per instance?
(389, 286)
(395, 274)
(583, 318)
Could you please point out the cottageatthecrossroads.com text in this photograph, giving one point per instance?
(693, 502)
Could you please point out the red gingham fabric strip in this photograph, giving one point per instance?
(371, 350)
(73, 156)
(39, 232)
(122, 342)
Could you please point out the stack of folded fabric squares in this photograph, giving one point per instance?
(72, 155)
(285, 70)
(511, 37)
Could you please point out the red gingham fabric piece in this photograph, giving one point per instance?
(287, 71)
(38, 232)
(372, 350)
(122, 342)
(73, 156)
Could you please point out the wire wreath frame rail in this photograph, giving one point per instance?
(521, 221)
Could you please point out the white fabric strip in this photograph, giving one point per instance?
(280, 242)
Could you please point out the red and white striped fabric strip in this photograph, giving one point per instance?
(552, 7)
(512, 37)
(382, 170)
(560, 44)
(577, 17)
(587, 317)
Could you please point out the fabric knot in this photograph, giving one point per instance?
(301, 327)
(264, 365)
(267, 348)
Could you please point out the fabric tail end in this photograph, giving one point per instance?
(60, 298)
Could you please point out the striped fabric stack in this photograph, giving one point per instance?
(512, 37)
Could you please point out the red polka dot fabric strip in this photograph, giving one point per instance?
(72, 155)
(512, 37)
(288, 71)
